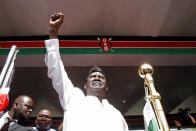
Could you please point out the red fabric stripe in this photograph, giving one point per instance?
(79, 44)
(39, 44)
(145, 44)
(22, 44)
(155, 44)
(3, 101)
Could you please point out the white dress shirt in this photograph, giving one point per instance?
(49, 129)
(81, 113)
(4, 120)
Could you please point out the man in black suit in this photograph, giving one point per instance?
(20, 111)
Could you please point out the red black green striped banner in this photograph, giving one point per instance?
(93, 47)
(115, 44)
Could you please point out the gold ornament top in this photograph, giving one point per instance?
(145, 69)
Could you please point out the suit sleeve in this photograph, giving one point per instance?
(61, 83)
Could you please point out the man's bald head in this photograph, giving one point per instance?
(23, 106)
(23, 98)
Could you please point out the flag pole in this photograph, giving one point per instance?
(6, 77)
(145, 72)
(5, 74)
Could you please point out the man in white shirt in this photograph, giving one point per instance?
(90, 112)
(43, 121)
(20, 111)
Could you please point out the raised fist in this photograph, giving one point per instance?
(55, 22)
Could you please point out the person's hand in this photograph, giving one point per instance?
(56, 21)
(178, 125)
(60, 128)
(192, 118)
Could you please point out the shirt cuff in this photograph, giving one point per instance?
(52, 44)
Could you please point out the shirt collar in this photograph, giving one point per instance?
(7, 115)
(37, 128)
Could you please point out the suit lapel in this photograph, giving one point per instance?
(14, 127)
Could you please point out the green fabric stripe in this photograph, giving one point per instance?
(40, 51)
(153, 126)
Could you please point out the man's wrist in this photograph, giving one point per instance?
(51, 36)
(53, 33)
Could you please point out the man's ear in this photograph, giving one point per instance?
(85, 86)
(36, 121)
(107, 88)
(15, 105)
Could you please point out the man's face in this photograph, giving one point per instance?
(96, 80)
(24, 108)
(44, 119)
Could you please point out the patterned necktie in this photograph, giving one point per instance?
(6, 125)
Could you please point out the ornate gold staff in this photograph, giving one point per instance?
(146, 71)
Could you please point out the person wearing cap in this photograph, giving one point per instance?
(90, 112)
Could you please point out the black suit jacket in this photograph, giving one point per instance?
(18, 127)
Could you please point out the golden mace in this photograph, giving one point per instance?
(145, 72)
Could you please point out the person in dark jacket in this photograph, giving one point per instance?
(14, 120)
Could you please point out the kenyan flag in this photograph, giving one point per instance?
(150, 120)
(4, 101)
(6, 78)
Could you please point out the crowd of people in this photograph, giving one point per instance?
(15, 119)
